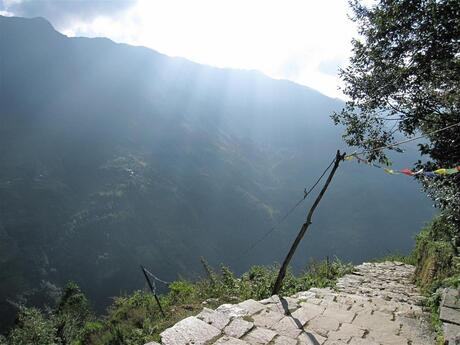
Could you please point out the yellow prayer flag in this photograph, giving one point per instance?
(348, 158)
(390, 171)
(441, 171)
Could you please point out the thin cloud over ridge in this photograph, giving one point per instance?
(60, 13)
(302, 41)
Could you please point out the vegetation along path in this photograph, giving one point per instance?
(377, 304)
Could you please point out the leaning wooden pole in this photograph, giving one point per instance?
(153, 290)
(303, 229)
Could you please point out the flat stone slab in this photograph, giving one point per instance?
(189, 331)
(260, 335)
(311, 338)
(450, 315)
(283, 340)
(451, 298)
(214, 318)
(226, 340)
(323, 325)
(346, 332)
(251, 307)
(267, 318)
(451, 332)
(238, 327)
(307, 312)
(284, 305)
(288, 327)
(341, 315)
(232, 310)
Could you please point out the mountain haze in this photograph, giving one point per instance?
(113, 156)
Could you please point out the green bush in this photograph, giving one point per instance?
(182, 291)
(33, 328)
(435, 253)
(72, 313)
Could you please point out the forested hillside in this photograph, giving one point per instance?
(113, 155)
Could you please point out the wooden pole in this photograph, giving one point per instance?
(153, 290)
(303, 229)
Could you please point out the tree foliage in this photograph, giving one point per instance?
(72, 313)
(404, 78)
(33, 327)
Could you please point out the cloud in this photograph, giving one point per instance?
(330, 67)
(62, 12)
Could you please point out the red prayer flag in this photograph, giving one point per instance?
(407, 172)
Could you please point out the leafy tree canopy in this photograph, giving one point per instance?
(404, 78)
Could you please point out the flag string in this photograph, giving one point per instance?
(407, 172)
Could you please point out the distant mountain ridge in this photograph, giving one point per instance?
(112, 156)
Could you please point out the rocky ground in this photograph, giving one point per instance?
(377, 304)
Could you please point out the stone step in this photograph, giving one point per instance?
(378, 304)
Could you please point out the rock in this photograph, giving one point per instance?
(283, 340)
(230, 341)
(214, 318)
(238, 327)
(451, 333)
(323, 325)
(251, 306)
(232, 310)
(451, 298)
(189, 331)
(267, 318)
(260, 335)
(210, 300)
(339, 314)
(376, 323)
(307, 312)
(288, 326)
(304, 295)
(450, 315)
(361, 341)
(346, 332)
(284, 305)
(310, 338)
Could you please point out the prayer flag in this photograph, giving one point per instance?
(407, 172)
(390, 171)
(451, 171)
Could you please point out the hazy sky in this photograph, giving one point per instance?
(305, 41)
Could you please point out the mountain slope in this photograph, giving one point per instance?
(112, 156)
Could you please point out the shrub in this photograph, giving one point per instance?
(435, 251)
(72, 313)
(33, 328)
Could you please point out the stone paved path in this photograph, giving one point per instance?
(377, 304)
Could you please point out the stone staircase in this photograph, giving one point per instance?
(377, 304)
